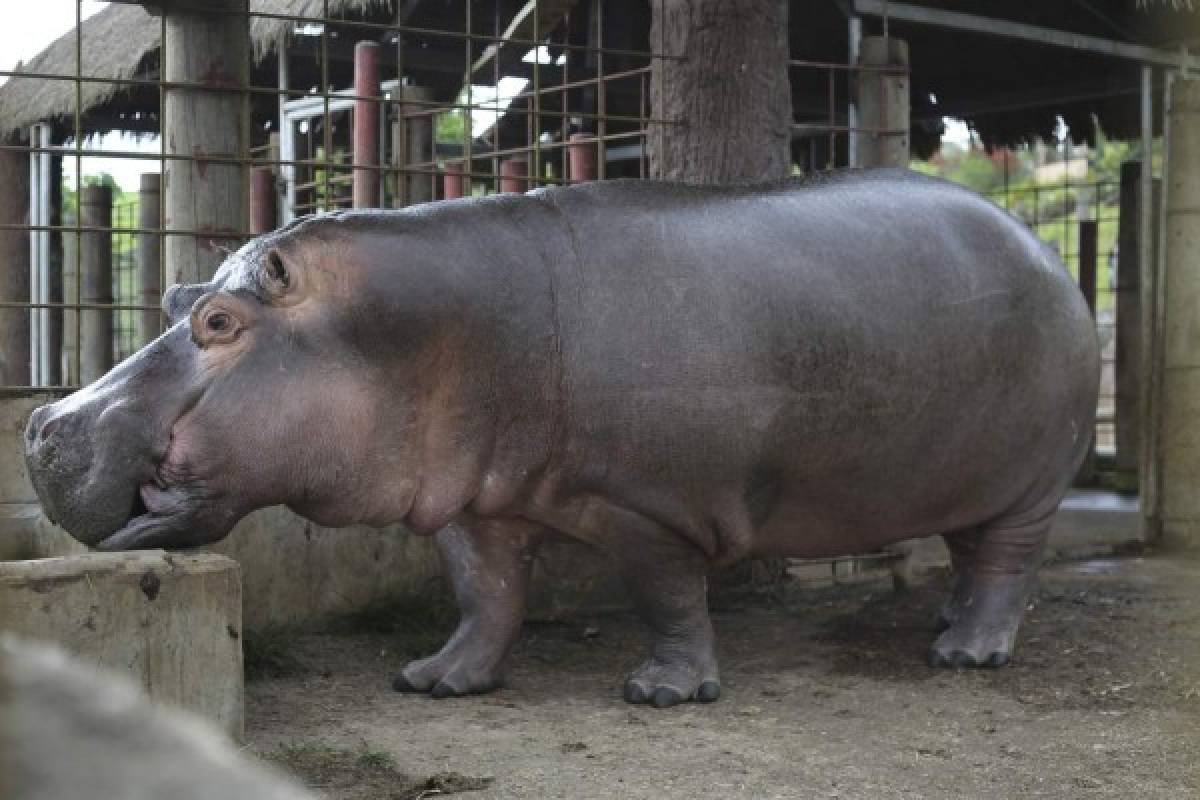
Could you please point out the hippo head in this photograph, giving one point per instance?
(255, 395)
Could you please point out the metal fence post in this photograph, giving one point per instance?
(262, 200)
(883, 104)
(366, 125)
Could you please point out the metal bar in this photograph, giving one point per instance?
(854, 39)
(1151, 311)
(287, 136)
(365, 143)
(534, 165)
(1008, 29)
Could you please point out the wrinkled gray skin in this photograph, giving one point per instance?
(683, 377)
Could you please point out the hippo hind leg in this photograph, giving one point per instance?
(488, 563)
(995, 572)
(667, 582)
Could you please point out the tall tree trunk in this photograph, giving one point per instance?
(724, 103)
(722, 96)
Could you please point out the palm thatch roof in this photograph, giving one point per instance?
(116, 44)
(122, 42)
(266, 32)
(1006, 90)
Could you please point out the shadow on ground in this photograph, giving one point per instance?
(826, 694)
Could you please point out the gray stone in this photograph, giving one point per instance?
(69, 731)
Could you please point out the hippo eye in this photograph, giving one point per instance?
(219, 322)
(276, 271)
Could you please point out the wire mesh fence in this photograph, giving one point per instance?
(312, 106)
(1078, 220)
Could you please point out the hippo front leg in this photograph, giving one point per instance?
(488, 563)
(667, 582)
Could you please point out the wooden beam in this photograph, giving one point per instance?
(1036, 34)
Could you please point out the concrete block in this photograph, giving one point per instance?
(14, 413)
(297, 573)
(571, 578)
(1179, 444)
(1184, 122)
(172, 623)
(1181, 334)
(1093, 522)
(19, 510)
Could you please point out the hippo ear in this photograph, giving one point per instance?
(276, 277)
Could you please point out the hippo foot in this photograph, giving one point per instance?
(447, 674)
(980, 624)
(663, 685)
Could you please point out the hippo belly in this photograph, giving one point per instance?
(821, 371)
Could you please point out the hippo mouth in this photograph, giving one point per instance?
(163, 512)
(157, 514)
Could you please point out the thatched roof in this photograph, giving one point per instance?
(1008, 91)
(122, 42)
(116, 43)
(265, 32)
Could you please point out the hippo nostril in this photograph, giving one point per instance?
(49, 428)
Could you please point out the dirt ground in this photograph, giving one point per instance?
(826, 694)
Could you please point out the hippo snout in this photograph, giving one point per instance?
(87, 498)
(45, 428)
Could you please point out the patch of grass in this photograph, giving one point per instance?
(267, 653)
(376, 759)
(365, 774)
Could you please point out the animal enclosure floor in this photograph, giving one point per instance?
(825, 694)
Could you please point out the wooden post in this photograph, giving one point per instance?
(412, 143)
(725, 126)
(1127, 366)
(582, 157)
(15, 354)
(514, 174)
(149, 259)
(366, 125)
(209, 48)
(715, 123)
(262, 200)
(96, 325)
(1088, 246)
(883, 103)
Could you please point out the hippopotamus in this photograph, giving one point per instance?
(682, 376)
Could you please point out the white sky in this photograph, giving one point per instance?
(27, 28)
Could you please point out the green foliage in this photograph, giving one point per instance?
(376, 759)
(451, 126)
(1051, 209)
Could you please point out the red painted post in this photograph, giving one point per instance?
(513, 175)
(262, 200)
(582, 157)
(452, 180)
(366, 125)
